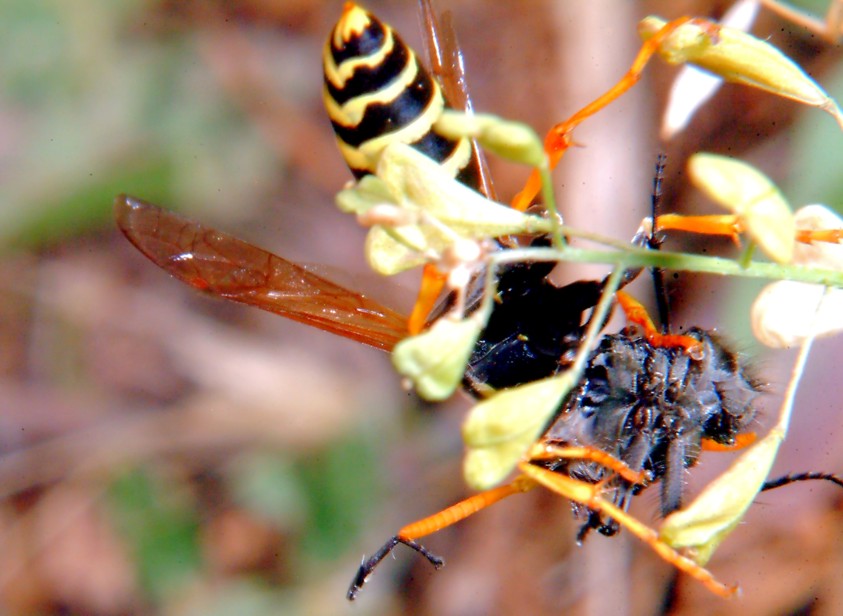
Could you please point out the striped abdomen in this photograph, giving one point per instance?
(376, 92)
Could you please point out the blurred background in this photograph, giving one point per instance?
(162, 452)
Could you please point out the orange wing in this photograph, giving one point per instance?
(446, 64)
(223, 265)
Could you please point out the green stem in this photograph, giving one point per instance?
(549, 199)
(746, 258)
(640, 257)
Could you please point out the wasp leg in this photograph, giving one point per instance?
(471, 505)
(741, 440)
(368, 565)
(434, 523)
(549, 451)
(809, 236)
(715, 224)
(730, 225)
(636, 313)
(433, 281)
(673, 481)
(589, 495)
(559, 137)
(635, 457)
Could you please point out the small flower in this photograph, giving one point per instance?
(785, 313)
(761, 209)
(740, 58)
(500, 430)
(693, 87)
(434, 211)
(434, 361)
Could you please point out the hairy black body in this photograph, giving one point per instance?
(651, 407)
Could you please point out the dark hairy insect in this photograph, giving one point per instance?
(652, 407)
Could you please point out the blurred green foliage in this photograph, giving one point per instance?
(323, 501)
(160, 522)
(340, 484)
(94, 101)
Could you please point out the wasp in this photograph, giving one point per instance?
(645, 404)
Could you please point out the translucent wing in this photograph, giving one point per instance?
(446, 64)
(223, 265)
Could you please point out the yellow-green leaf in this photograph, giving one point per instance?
(500, 429)
(722, 504)
(752, 196)
(741, 58)
(435, 360)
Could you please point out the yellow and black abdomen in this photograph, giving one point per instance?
(376, 93)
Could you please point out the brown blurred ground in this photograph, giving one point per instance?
(276, 454)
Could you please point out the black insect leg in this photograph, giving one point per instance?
(673, 481)
(635, 456)
(368, 566)
(788, 479)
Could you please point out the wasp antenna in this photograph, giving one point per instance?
(655, 241)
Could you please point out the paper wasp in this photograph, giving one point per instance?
(609, 439)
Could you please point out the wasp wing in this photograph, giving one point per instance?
(223, 265)
(448, 67)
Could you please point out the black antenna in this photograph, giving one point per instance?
(793, 478)
(655, 241)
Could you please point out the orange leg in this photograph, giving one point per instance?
(731, 225)
(636, 313)
(741, 441)
(463, 509)
(434, 523)
(727, 224)
(546, 451)
(559, 137)
(589, 495)
(433, 281)
(477, 502)
(809, 236)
